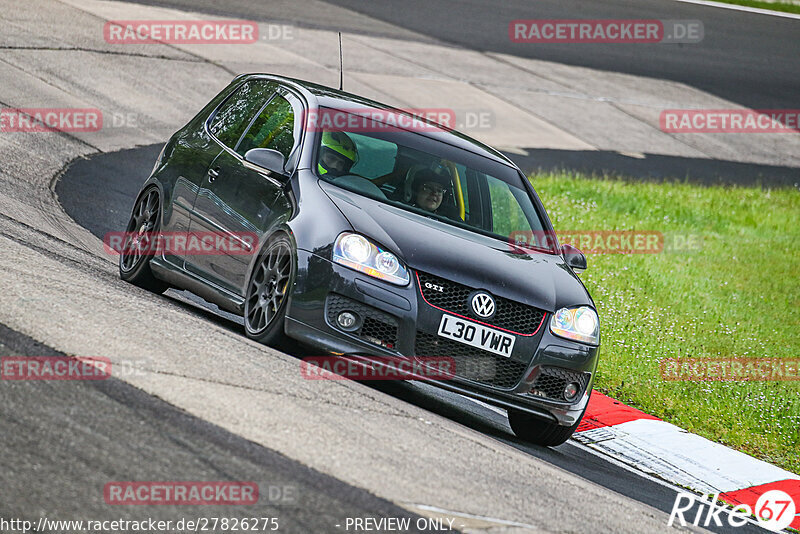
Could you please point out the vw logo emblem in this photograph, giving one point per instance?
(483, 305)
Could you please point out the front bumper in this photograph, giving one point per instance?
(397, 321)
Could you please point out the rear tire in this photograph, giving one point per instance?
(135, 255)
(268, 292)
(538, 431)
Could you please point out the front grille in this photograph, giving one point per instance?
(509, 315)
(472, 363)
(551, 381)
(376, 327)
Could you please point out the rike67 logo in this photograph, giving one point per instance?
(775, 510)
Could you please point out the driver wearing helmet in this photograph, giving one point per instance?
(337, 154)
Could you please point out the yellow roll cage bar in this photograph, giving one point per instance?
(456, 188)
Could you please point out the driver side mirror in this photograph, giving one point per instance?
(574, 257)
(268, 159)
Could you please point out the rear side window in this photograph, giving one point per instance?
(274, 128)
(235, 114)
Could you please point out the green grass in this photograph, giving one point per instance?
(737, 296)
(787, 7)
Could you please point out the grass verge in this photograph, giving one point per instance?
(736, 296)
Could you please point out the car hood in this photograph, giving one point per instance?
(425, 244)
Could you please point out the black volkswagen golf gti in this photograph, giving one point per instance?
(390, 241)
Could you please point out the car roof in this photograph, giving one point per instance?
(328, 97)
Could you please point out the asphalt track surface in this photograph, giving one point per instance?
(108, 208)
(102, 430)
(753, 60)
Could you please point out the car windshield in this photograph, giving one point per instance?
(420, 174)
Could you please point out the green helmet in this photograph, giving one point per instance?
(338, 153)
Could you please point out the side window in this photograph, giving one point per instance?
(507, 215)
(238, 110)
(274, 128)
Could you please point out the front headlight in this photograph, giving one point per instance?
(359, 253)
(579, 324)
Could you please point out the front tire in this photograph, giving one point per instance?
(268, 292)
(137, 248)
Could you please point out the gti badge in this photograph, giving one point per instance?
(483, 304)
(434, 287)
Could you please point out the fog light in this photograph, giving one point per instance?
(346, 320)
(571, 391)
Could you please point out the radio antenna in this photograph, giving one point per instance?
(341, 63)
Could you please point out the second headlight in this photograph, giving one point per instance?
(579, 324)
(359, 253)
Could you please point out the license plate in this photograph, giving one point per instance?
(476, 335)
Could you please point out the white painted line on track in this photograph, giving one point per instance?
(647, 476)
(747, 9)
(681, 457)
(623, 465)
